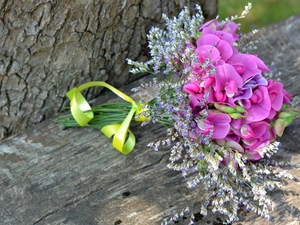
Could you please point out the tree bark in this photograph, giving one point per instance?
(48, 47)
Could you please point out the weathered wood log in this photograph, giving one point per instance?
(53, 176)
(46, 47)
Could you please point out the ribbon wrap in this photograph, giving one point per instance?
(123, 138)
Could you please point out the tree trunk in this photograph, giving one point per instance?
(48, 47)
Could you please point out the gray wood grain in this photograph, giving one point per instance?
(53, 176)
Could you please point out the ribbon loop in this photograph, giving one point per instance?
(123, 138)
(110, 131)
(80, 108)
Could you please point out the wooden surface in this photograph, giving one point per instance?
(53, 176)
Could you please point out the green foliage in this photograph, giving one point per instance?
(263, 12)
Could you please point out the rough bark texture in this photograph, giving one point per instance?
(47, 47)
(53, 176)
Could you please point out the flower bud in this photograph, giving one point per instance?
(224, 108)
(279, 127)
(286, 115)
(236, 115)
(240, 109)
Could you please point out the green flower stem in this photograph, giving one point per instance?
(108, 113)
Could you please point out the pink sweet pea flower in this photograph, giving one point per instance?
(231, 27)
(228, 30)
(227, 83)
(205, 52)
(192, 88)
(218, 123)
(255, 155)
(225, 48)
(260, 64)
(254, 136)
(254, 130)
(213, 24)
(278, 96)
(195, 92)
(254, 146)
(247, 65)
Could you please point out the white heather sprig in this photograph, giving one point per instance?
(246, 11)
(173, 44)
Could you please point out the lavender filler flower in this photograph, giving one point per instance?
(223, 109)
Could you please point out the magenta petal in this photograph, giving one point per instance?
(259, 128)
(208, 30)
(236, 124)
(239, 67)
(225, 36)
(220, 121)
(192, 87)
(213, 24)
(231, 144)
(208, 39)
(261, 65)
(230, 27)
(276, 94)
(245, 103)
(254, 155)
(249, 66)
(208, 82)
(207, 51)
(225, 50)
(231, 88)
(194, 101)
(272, 114)
(286, 97)
(246, 131)
(277, 100)
(226, 73)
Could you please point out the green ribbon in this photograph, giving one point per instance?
(123, 138)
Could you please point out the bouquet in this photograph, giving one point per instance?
(221, 105)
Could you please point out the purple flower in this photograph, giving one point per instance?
(246, 91)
